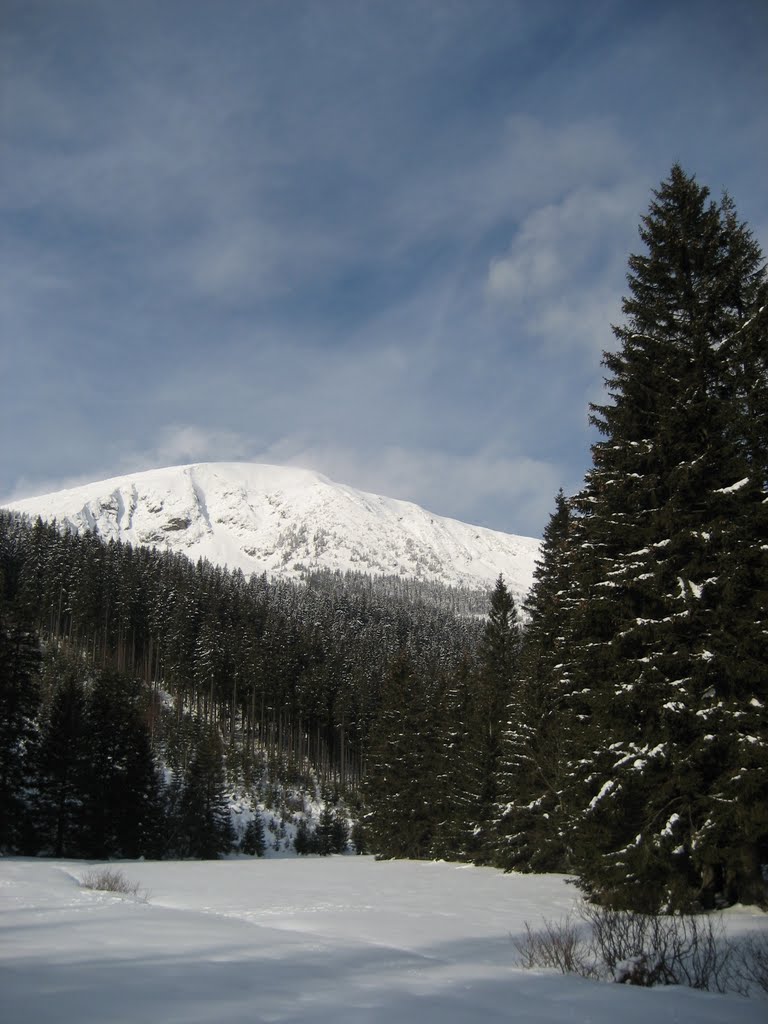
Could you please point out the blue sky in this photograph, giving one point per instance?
(385, 240)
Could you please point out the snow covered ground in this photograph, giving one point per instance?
(326, 941)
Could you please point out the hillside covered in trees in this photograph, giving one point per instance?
(275, 680)
(615, 727)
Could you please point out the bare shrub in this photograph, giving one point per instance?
(752, 962)
(648, 949)
(652, 949)
(113, 880)
(558, 944)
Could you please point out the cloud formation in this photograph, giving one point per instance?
(565, 266)
(387, 239)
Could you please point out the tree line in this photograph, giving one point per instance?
(136, 683)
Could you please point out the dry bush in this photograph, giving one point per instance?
(752, 962)
(648, 949)
(652, 949)
(559, 944)
(113, 880)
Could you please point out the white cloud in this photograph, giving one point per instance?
(237, 229)
(564, 269)
(176, 444)
(32, 487)
(488, 487)
(194, 444)
(499, 174)
(517, 489)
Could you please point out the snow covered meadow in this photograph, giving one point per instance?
(320, 940)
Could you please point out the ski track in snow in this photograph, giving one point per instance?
(318, 940)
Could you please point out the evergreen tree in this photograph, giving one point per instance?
(331, 834)
(495, 687)
(670, 633)
(19, 692)
(303, 842)
(63, 768)
(458, 780)
(205, 821)
(254, 841)
(542, 727)
(401, 820)
(122, 794)
(19, 706)
(358, 838)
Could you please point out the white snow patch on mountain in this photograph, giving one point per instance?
(285, 522)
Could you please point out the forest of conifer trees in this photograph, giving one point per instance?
(614, 728)
(268, 684)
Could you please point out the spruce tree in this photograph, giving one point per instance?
(402, 769)
(205, 820)
(19, 692)
(495, 687)
(457, 780)
(19, 707)
(542, 719)
(331, 834)
(63, 768)
(122, 792)
(303, 842)
(254, 841)
(670, 632)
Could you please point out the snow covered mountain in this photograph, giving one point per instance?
(285, 521)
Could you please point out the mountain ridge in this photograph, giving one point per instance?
(287, 521)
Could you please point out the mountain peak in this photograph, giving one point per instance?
(286, 521)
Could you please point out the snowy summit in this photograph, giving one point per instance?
(285, 522)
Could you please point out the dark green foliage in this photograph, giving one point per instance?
(205, 826)
(358, 839)
(63, 768)
(499, 649)
(121, 793)
(332, 833)
(253, 841)
(290, 676)
(303, 840)
(403, 767)
(495, 696)
(20, 696)
(543, 723)
(669, 642)
(19, 705)
(458, 779)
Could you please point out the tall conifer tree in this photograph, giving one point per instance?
(63, 767)
(403, 766)
(19, 706)
(543, 717)
(495, 689)
(671, 630)
(122, 791)
(205, 821)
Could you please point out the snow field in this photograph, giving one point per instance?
(323, 940)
